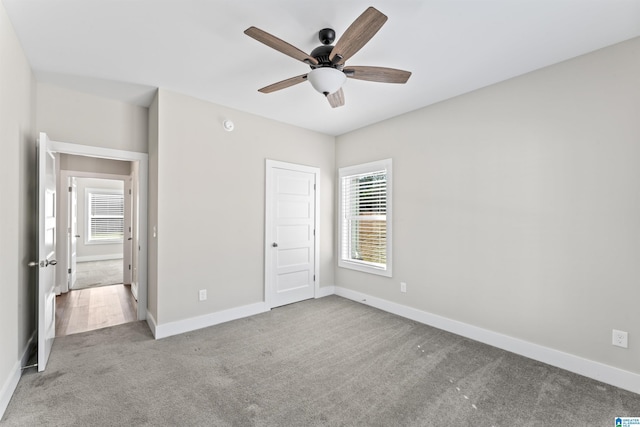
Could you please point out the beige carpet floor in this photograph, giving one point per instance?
(325, 362)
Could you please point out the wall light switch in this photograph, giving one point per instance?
(202, 294)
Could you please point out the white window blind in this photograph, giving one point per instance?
(365, 217)
(106, 216)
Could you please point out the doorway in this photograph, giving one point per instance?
(95, 277)
(135, 185)
(97, 225)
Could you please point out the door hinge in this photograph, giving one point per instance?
(314, 187)
(70, 190)
(69, 271)
(314, 232)
(314, 277)
(129, 267)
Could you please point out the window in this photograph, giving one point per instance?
(105, 216)
(365, 217)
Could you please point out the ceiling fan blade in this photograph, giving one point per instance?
(279, 45)
(357, 35)
(378, 74)
(336, 99)
(284, 84)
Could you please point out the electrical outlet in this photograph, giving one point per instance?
(202, 294)
(403, 287)
(620, 338)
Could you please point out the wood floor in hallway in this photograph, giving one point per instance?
(94, 308)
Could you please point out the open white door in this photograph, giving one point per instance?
(290, 232)
(46, 250)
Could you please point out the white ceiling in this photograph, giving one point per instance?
(126, 49)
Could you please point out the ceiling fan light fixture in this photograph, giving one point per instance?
(326, 80)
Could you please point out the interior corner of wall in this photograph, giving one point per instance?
(153, 325)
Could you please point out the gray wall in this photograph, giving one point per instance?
(210, 203)
(71, 116)
(17, 224)
(94, 165)
(516, 207)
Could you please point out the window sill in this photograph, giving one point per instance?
(104, 242)
(365, 268)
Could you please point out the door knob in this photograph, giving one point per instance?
(42, 263)
(274, 244)
(77, 235)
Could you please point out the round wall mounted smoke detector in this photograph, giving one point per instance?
(227, 125)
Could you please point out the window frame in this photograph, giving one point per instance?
(350, 171)
(88, 235)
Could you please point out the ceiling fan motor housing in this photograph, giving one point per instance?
(321, 54)
(327, 35)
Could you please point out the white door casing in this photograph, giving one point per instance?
(140, 185)
(127, 239)
(291, 230)
(46, 250)
(73, 234)
(68, 242)
(135, 223)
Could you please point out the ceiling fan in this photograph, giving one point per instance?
(327, 62)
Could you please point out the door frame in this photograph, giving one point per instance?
(142, 160)
(270, 165)
(63, 232)
(63, 223)
(129, 232)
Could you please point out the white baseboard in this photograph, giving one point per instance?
(588, 368)
(106, 257)
(325, 291)
(199, 322)
(12, 380)
(9, 387)
(181, 326)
